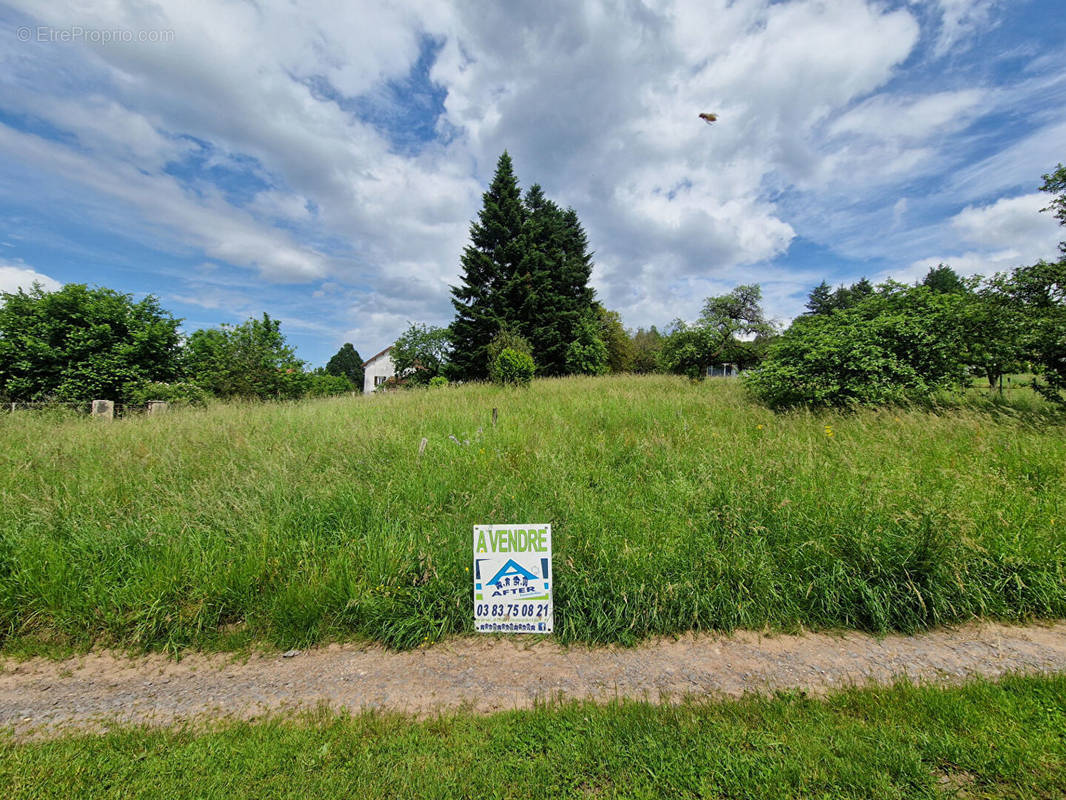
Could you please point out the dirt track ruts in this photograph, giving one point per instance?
(87, 693)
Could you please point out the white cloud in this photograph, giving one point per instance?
(595, 99)
(1008, 233)
(959, 21)
(1015, 221)
(14, 277)
(897, 118)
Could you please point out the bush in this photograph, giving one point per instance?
(250, 360)
(79, 344)
(439, 380)
(179, 393)
(513, 367)
(322, 384)
(506, 339)
(587, 354)
(901, 345)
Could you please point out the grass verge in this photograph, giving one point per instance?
(982, 740)
(675, 506)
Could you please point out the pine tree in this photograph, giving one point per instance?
(820, 300)
(944, 280)
(542, 319)
(564, 299)
(526, 269)
(489, 264)
(347, 363)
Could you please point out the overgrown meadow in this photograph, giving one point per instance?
(674, 506)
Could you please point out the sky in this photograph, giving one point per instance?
(322, 162)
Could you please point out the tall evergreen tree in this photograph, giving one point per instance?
(526, 269)
(548, 318)
(489, 264)
(943, 279)
(820, 300)
(347, 363)
(557, 245)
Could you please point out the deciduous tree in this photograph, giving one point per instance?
(79, 343)
(421, 353)
(250, 360)
(717, 336)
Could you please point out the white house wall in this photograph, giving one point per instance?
(380, 368)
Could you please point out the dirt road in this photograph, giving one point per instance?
(489, 674)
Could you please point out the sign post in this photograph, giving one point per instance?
(513, 578)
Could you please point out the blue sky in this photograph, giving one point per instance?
(323, 166)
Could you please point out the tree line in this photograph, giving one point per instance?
(894, 343)
(80, 343)
(524, 307)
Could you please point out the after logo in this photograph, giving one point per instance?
(514, 580)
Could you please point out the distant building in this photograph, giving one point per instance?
(722, 371)
(378, 369)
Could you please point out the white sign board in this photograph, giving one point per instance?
(513, 578)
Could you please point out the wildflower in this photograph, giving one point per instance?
(468, 568)
(758, 427)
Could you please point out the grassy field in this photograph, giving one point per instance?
(674, 505)
(983, 740)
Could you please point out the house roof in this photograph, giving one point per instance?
(377, 356)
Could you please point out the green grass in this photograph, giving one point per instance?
(675, 506)
(981, 740)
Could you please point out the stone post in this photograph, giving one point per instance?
(156, 407)
(104, 409)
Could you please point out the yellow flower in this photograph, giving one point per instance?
(758, 427)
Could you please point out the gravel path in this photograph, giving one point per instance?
(42, 697)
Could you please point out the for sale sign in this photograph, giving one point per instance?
(513, 578)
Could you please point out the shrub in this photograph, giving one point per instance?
(513, 367)
(901, 345)
(179, 393)
(507, 338)
(78, 343)
(322, 384)
(439, 380)
(250, 360)
(587, 354)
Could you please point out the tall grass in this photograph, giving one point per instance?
(675, 506)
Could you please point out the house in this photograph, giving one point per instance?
(378, 369)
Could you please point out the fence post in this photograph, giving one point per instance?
(494, 417)
(157, 407)
(104, 409)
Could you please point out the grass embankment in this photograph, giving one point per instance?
(977, 741)
(675, 506)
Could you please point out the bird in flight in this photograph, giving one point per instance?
(708, 118)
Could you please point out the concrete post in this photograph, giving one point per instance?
(104, 409)
(157, 407)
